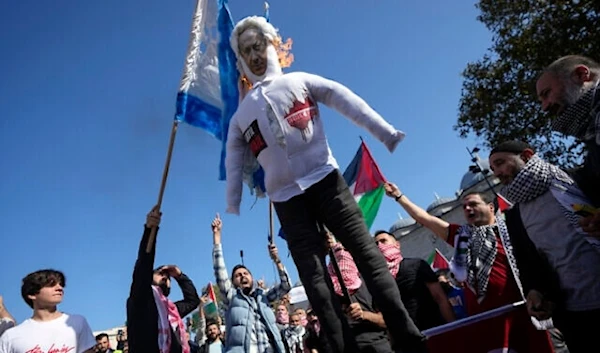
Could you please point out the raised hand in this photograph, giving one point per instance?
(216, 227)
(171, 270)
(153, 218)
(391, 190)
(274, 253)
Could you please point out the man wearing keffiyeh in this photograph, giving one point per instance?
(484, 262)
(568, 89)
(154, 322)
(421, 291)
(366, 322)
(559, 263)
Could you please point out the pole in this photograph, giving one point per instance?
(438, 330)
(271, 226)
(475, 159)
(242, 256)
(336, 268)
(163, 183)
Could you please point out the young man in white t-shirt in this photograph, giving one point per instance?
(48, 330)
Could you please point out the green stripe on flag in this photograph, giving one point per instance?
(210, 309)
(431, 258)
(369, 204)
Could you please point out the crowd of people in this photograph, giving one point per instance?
(544, 249)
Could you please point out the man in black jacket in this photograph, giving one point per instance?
(154, 323)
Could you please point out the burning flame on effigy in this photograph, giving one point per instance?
(286, 58)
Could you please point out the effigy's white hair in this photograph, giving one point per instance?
(257, 22)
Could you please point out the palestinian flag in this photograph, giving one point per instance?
(503, 204)
(437, 261)
(366, 183)
(211, 308)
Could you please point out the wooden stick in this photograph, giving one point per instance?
(271, 226)
(346, 299)
(163, 183)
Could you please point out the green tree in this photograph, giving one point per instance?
(498, 100)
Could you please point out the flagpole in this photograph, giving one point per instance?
(163, 182)
(271, 227)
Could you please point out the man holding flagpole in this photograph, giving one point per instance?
(154, 322)
(278, 124)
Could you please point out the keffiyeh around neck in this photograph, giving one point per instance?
(393, 257)
(294, 337)
(475, 252)
(350, 274)
(581, 119)
(538, 177)
(533, 180)
(169, 321)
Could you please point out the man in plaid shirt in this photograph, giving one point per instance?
(250, 321)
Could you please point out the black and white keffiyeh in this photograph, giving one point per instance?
(582, 118)
(475, 251)
(536, 178)
(533, 180)
(294, 337)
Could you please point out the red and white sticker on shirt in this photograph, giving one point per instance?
(301, 116)
(255, 139)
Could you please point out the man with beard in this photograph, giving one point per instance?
(213, 342)
(295, 336)
(103, 343)
(249, 320)
(558, 262)
(154, 323)
(483, 260)
(568, 89)
(279, 127)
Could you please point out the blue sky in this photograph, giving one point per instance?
(87, 101)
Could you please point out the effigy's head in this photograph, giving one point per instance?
(257, 46)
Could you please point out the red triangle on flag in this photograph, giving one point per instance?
(440, 262)
(369, 176)
(503, 204)
(437, 261)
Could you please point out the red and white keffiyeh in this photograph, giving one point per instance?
(392, 255)
(348, 268)
(168, 318)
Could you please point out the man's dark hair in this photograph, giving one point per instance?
(381, 231)
(485, 197)
(209, 323)
(443, 272)
(514, 146)
(34, 282)
(101, 336)
(237, 267)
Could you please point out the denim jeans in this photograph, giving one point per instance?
(331, 203)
